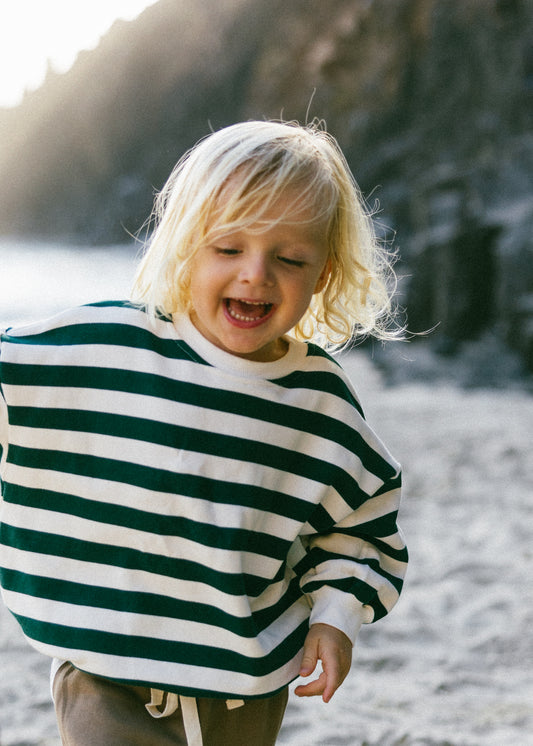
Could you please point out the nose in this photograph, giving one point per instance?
(256, 269)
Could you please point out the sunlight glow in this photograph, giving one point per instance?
(36, 34)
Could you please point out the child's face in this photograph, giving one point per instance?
(251, 287)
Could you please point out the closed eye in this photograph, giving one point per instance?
(226, 250)
(291, 262)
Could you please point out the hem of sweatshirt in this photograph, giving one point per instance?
(57, 663)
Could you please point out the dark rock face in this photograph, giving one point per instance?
(431, 100)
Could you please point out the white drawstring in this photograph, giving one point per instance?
(189, 711)
(232, 704)
(158, 696)
(191, 721)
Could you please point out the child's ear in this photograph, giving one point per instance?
(324, 277)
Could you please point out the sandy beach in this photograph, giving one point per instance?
(453, 664)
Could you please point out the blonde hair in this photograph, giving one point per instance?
(262, 160)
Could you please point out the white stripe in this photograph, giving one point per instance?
(94, 315)
(120, 493)
(112, 356)
(332, 570)
(224, 560)
(370, 510)
(166, 674)
(166, 458)
(108, 576)
(117, 493)
(173, 505)
(202, 419)
(87, 617)
(124, 623)
(231, 517)
(164, 503)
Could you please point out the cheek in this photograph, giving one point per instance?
(198, 290)
(302, 297)
(315, 284)
(206, 288)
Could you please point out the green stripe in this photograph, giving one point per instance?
(205, 397)
(364, 593)
(150, 604)
(213, 444)
(116, 334)
(318, 556)
(206, 534)
(315, 350)
(323, 381)
(190, 485)
(384, 526)
(133, 559)
(134, 646)
(123, 303)
(394, 483)
(400, 555)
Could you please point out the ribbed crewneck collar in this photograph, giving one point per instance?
(292, 360)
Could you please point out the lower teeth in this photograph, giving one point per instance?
(241, 318)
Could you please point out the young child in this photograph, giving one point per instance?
(195, 511)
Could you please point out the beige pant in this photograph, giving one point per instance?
(92, 711)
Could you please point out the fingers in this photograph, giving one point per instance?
(325, 685)
(313, 689)
(334, 679)
(311, 655)
(333, 648)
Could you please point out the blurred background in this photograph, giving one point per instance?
(431, 101)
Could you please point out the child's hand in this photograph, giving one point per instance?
(334, 649)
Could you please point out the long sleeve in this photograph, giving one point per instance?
(353, 559)
(353, 570)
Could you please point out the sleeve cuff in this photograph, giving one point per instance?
(338, 609)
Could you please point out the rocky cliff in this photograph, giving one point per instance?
(430, 99)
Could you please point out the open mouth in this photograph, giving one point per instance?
(248, 312)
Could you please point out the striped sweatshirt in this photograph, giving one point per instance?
(174, 516)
